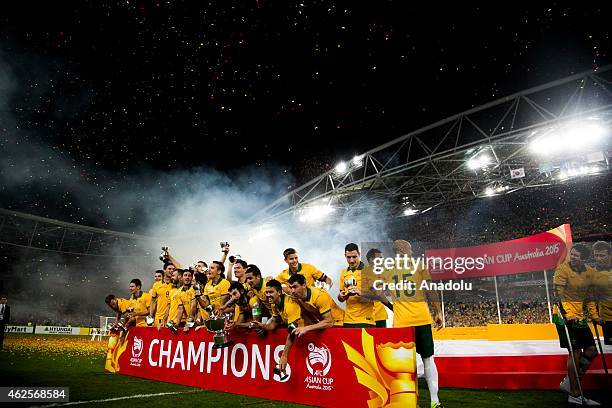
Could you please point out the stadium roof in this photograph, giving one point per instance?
(493, 149)
(496, 148)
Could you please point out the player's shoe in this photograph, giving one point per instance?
(565, 385)
(582, 401)
(437, 405)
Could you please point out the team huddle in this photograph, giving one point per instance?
(297, 298)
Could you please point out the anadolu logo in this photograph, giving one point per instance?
(318, 356)
(137, 347)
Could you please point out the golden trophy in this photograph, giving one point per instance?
(399, 358)
(387, 370)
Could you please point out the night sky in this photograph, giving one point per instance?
(112, 88)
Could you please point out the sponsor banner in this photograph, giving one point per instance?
(57, 330)
(19, 329)
(530, 254)
(330, 368)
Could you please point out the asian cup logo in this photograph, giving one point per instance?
(137, 347)
(319, 360)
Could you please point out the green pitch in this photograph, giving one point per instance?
(69, 361)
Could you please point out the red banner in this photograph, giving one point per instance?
(530, 254)
(352, 367)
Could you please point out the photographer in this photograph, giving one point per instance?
(5, 316)
(285, 312)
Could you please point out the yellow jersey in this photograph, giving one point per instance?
(175, 301)
(187, 295)
(602, 288)
(140, 303)
(317, 303)
(310, 272)
(358, 310)
(380, 312)
(575, 289)
(155, 285)
(289, 311)
(161, 293)
(123, 304)
(409, 305)
(258, 293)
(215, 292)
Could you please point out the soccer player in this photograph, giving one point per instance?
(239, 268)
(118, 305)
(359, 310)
(158, 278)
(602, 284)
(186, 296)
(216, 289)
(160, 300)
(242, 309)
(380, 313)
(573, 285)
(256, 287)
(175, 300)
(318, 308)
(311, 273)
(140, 302)
(410, 309)
(199, 275)
(285, 312)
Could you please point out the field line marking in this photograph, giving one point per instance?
(159, 394)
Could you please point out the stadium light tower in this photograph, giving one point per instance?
(341, 167)
(315, 213)
(573, 137)
(357, 162)
(479, 161)
(410, 211)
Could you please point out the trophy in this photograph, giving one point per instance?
(121, 324)
(350, 283)
(164, 255)
(216, 324)
(170, 325)
(190, 322)
(399, 359)
(197, 288)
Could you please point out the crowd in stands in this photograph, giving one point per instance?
(585, 206)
